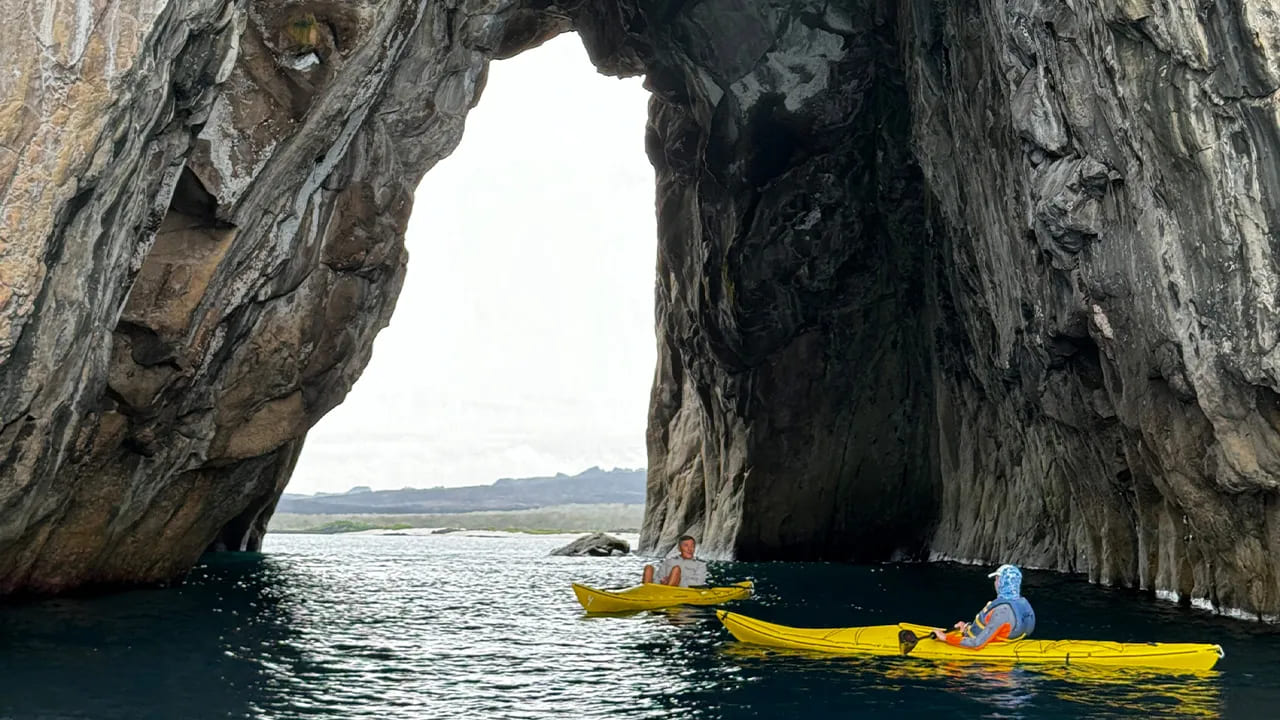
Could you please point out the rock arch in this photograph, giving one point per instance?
(983, 280)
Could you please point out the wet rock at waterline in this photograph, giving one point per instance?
(987, 280)
(595, 545)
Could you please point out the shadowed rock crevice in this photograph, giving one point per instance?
(793, 279)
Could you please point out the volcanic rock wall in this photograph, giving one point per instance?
(204, 207)
(1061, 351)
(790, 412)
(985, 279)
(1092, 274)
(1107, 173)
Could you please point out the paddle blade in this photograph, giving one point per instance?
(907, 641)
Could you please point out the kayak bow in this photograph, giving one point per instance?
(652, 596)
(883, 640)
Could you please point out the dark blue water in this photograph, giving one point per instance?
(486, 627)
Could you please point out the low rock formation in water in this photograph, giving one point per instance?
(987, 279)
(595, 545)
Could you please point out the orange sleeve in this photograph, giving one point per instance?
(1001, 633)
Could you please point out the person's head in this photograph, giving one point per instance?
(686, 545)
(1008, 581)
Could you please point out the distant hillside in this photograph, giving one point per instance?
(594, 486)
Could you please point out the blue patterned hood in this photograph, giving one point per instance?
(1008, 582)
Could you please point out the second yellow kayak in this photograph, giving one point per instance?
(883, 640)
(651, 596)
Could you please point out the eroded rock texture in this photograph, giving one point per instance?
(1064, 354)
(1107, 173)
(204, 210)
(986, 279)
(793, 278)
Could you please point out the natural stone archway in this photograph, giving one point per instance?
(979, 279)
(210, 246)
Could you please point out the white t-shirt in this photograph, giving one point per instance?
(692, 572)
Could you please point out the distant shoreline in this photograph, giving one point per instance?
(606, 517)
(592, 486)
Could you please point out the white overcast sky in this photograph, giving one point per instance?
(523, 341)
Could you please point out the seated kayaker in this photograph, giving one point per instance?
(1008, 617)
(684, 571)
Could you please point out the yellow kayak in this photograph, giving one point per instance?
(883, 640)
(651, 596)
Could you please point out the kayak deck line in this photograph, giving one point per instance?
(653, 596)
(882, 640)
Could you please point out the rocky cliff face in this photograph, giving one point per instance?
(794, 279)
(1060, 351)
(1107, 175)
(979, 279)
(204, 209)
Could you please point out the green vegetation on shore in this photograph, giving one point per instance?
(345, 526)
(543, 520)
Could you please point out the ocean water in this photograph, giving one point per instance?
(457, 626)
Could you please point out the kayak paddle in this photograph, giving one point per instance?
(908, 640)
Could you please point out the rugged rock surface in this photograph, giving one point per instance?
(204, 206)
(793, 284)
(986, 279)
(1077, 321)
(1107, 397)
(595, 545)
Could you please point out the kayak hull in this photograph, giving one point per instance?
(883, 640)
(652, 596)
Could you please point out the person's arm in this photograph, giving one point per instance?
(999, 623)
(941, 634)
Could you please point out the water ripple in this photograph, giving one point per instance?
(454, 626)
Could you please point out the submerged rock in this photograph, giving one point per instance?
(596, 545)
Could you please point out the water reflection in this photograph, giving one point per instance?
(141, 654)
(457, 627)
(1193, 694)
(1010, 687)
